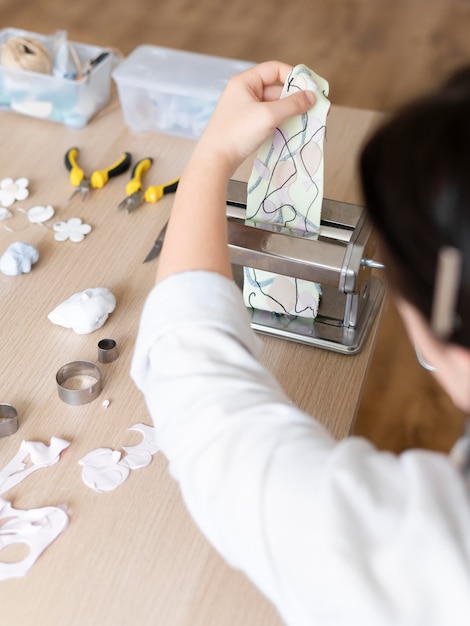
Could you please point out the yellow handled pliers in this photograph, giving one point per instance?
(99, 178)
(136, 195)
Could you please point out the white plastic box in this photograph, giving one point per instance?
(172, 91)
(65, 100)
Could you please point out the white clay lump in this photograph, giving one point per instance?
(18, 259)
(85, 311)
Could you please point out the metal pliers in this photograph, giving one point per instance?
(99, 178)
(136, 195)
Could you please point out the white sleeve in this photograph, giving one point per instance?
(331, 532)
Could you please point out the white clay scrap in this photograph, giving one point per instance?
(104, 469)
(39, 214)
(40, 456)
(18, 259)
(85, 311)
(37, 528)
(140, 455)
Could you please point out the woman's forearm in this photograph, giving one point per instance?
(196, 238)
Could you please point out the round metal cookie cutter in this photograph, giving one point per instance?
(78, 382)
(8, 420)
(107, 351)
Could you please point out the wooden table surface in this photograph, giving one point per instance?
(131, 556)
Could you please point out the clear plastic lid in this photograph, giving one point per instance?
(177, 71)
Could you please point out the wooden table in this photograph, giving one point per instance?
(131, 556)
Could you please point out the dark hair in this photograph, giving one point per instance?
(415, 173)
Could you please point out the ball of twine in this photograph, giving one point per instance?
(26, 53)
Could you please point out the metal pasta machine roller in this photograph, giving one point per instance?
(340, 260)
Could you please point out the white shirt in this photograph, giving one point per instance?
(333, 533)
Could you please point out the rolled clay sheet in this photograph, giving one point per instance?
(286, 189)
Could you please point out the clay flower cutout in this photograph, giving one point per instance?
(73, 229)
(11, 190)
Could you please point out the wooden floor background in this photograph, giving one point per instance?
(376, 54)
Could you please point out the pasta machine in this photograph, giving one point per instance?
(340, 260)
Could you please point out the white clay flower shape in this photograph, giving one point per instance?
(73, 229)
(11, 190)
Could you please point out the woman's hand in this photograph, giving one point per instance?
(247, 113)
(249, 110)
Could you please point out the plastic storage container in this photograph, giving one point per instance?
(66, 100)
(172, 91)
